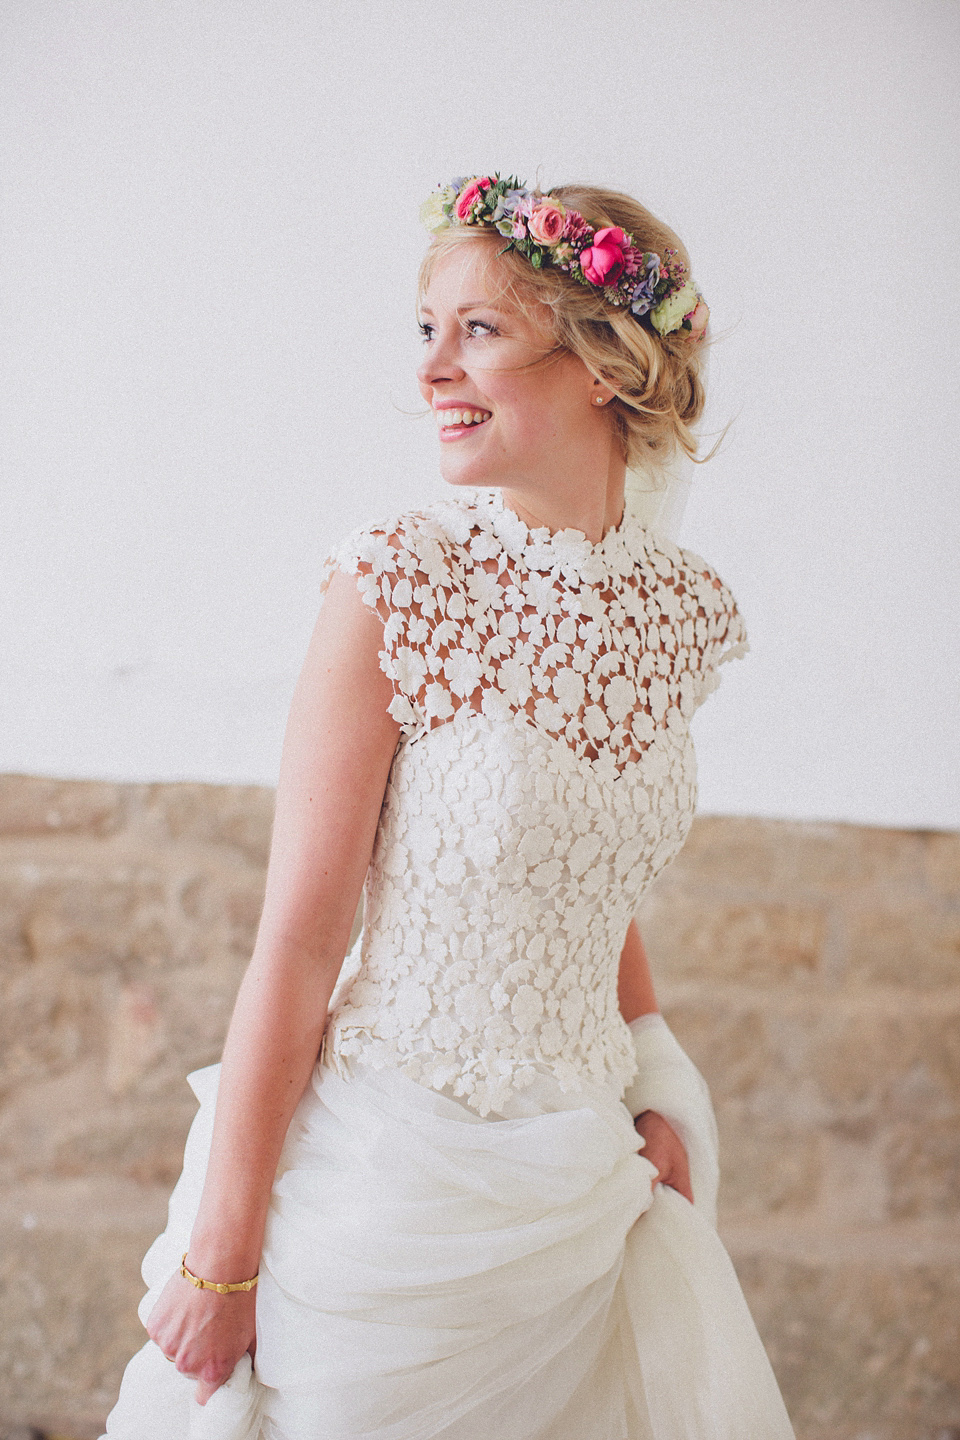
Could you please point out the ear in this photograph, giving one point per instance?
(600, 394)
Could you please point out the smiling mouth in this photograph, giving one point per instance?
(452, 419)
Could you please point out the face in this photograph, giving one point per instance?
(510, 408)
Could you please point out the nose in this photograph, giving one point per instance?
(441, 361)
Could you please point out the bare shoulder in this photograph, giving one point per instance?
(337, 752)
(342, 683)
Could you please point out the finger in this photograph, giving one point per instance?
(678, 1179)
(681, 1186)
(206, 1388)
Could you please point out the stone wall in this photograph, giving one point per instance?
(813, 971)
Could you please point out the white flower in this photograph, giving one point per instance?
(572, 1007)
(445, 1032)
(552, 1038)
(537, 843)
(540, 593)
(582, 854)
(568, 687)
(412, 1003)
(485, 547)
(658, 698)
(463, 669)
(527, 1008)
(595, 723)
(402, 597)
(482, 846)
(483, 588)
(548, 715)
(536, 949)
(619, 697)
(472, 1004)
(446, 633)
(450, 869)
(409, 669)
(402, 711)
(515, 681)
(546, 874)
(437, 702)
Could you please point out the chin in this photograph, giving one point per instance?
(468, 476)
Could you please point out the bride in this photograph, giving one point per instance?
(485, 1212)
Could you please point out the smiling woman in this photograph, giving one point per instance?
(487, 1208)
(488, 357)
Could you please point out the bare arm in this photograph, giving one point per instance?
(662, 1145)
(635, 985)
(337, 753)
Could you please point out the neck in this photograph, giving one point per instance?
(569, 504)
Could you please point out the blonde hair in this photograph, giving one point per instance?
(657, 380)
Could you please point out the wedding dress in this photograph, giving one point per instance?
(463, 1241)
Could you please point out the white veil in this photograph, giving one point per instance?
(657, 495)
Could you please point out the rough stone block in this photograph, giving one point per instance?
(923, 1169)
(791, 856)
(69, 1287)
(696, 936)
(69, 1126)
(910, 944)
(860, 1346)
(726, 851)
(766, 1168)
(238, 817)
(902, 1065)
(92, 916)
(46, 1013)
(942, 871)
(727, 1045)
(30, 805)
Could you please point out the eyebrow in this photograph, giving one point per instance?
(462, 309)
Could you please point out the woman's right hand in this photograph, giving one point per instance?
(203, 1333)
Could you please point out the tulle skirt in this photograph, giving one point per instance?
(431, 1275)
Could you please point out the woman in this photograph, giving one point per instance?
(472, 1219)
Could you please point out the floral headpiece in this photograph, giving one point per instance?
(547, 233)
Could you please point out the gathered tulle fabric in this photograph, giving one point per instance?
(429, 1274)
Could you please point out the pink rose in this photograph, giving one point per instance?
(466, 199)
(698, 318)
(546, 224)
(602, 262)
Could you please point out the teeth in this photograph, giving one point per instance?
(448, 418)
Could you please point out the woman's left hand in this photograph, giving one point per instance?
(664, 1149)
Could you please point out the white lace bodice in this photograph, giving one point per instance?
(545, 774)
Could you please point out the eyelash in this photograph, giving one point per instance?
(426, 331)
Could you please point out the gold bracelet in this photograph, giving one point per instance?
(212, 1284)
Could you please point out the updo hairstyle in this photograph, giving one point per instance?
(656, 379)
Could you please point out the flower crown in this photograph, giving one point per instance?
(548, 233)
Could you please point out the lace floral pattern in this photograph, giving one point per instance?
(545, 774)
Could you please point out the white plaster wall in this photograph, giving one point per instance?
(207, 348)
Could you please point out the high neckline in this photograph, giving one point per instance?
(568, 551)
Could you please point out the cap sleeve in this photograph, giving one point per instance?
(402, 573)
(719, 633)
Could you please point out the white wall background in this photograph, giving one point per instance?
(208, 258)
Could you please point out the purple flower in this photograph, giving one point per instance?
(576, 227)
(644, 295)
